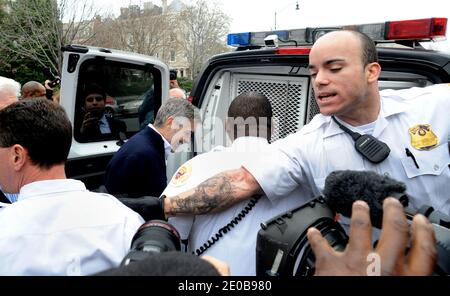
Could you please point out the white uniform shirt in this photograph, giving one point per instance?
(58, 227)
(237, 247)
(308, 156)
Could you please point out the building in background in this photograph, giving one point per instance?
(163, 31)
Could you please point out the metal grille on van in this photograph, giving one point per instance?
(313, 108)
(287, 96)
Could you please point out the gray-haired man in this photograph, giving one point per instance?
(9, 93)
(139, 167)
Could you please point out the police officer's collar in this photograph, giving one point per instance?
(391, 104)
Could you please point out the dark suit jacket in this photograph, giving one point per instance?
(139, 167)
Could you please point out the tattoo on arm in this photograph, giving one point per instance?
(213, 195)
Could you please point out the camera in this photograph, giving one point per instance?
(153, 237)
(54, 80)
(95, 113)
(271, 41)
(173, 74)
(283, 249)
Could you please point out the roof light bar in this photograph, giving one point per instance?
(239, 39)
(293, 50)
(416, 29)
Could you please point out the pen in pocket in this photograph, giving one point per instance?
(409, 154)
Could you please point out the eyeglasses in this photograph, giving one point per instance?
(96, 98)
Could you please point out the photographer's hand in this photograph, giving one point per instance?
(219, 265)
(90, 122)
(390, 250)
(47, 85)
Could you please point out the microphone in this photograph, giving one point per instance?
(342, 188)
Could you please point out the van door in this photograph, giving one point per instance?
(120, 92)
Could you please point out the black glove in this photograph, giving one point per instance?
(149, 207)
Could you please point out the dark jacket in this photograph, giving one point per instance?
(3, 198)
(139, 167)
(94, 134)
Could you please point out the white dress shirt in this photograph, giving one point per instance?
(167, 145)
(104, 125)
(58, 227)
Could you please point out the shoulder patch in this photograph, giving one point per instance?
(182, 175)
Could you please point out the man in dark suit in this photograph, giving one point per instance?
(139, 167)
(95, 124)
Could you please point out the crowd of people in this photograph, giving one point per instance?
(217, 200)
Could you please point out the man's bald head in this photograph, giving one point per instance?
(177, 93)
(33, 89)
(366, 45)
(9, 91)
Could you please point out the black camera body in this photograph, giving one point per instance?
(283, 249)
(54, 80)
(153, 237)
(173, 74)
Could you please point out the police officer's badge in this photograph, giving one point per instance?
(182, 175)
(423, 137)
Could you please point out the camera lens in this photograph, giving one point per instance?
(153, 237)
(173, 74)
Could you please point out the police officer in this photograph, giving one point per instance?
(413, 123)
(249, 125)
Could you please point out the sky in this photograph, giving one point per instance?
(259, 15)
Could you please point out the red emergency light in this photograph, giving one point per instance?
(293, 50)
(416, 29)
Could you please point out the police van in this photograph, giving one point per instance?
(274, 63)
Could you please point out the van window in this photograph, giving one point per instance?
(115, 100)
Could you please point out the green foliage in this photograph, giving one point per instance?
(23, 72)
(27, 39)
(185, 83)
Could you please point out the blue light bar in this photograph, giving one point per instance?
(239, 39)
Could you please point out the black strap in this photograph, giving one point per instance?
(368, 146)
(353, 134)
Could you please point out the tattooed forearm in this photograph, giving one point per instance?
(213, 195)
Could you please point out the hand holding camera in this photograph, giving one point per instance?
(389, 257)
(91, 120)
(52, 80)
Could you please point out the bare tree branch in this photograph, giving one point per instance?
(34, 28)
(202, 33)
